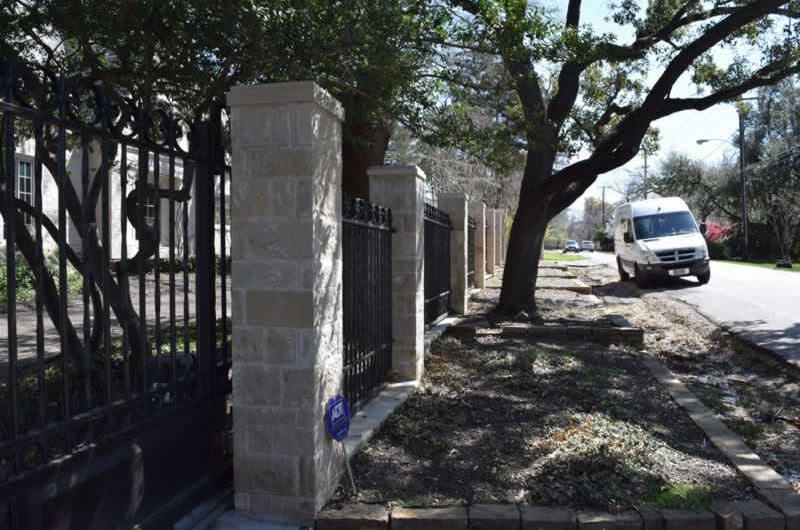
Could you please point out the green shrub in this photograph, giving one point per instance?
(718, 250)
(26, 279)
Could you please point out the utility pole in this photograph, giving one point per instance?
(742, 160)
(604, 209)
(741, 110)
(644, 182)
(603, 218)
(746, 245)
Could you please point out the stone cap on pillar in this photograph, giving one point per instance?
(283, 93)
(455, 195)
(392, 171)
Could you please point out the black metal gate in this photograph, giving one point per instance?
(367, 297)
(470, 252)
(115, 380)
(437, 264)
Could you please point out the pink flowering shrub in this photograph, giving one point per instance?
(717, 233)
(717, 236)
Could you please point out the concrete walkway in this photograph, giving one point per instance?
(26, 316)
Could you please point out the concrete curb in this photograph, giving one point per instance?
(600, 333)
(552, 265)
(568, 284)
(368, 421)
(770, 486)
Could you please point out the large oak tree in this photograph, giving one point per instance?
(579, 102)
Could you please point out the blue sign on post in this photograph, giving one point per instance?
(337, 418)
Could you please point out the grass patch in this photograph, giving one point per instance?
(679, 496)
(767, 264)
(553, 256)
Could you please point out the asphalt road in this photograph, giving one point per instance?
(759, 304)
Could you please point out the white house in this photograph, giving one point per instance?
(25, 175)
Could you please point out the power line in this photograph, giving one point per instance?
(714, 150)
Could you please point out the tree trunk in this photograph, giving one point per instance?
(364, 144)
(527, 236)
(522, 259)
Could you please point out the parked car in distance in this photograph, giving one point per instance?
(659, 238)
(571, 246)
(587, 245)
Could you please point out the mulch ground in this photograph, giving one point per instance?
(551, 305)
(502, 419)
(755, 393)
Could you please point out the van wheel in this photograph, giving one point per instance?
(704, 278)
(624, 276)
(642, 281)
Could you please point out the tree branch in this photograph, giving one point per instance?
(739, 18)
(569, 77)
(672, 105)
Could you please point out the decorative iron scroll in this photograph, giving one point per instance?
(362, 211)
(93, 106)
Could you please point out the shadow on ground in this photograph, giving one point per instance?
(505, 420)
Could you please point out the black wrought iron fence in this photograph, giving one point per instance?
(487, 271)
(367, 297)
(121, 359)
(437, 264)
(470, 252)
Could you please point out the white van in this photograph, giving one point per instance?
(659, 238)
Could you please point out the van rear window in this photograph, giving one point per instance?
(663, 225)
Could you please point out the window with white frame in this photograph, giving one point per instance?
(150, 211)
(25, 185)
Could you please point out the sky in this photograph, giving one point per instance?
(679, 132)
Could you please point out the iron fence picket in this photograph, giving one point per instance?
(367, 309)
(37, 200)
(437, 264)
(470, 252)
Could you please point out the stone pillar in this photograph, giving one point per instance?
(477, 210)
(491, 245)
(500, 237)
(506, 220)
(456, 205)
(287, 297)
(504, 238)
(402, 188)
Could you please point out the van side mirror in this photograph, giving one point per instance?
(703, 228)
(627, 237)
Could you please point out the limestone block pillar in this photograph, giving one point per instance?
(456, 205)
(500, 237)
(491, 239)
(402, 188)
(506, 220)
(477, 210)
(287, 297)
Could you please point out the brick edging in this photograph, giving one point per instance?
(724, 515)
